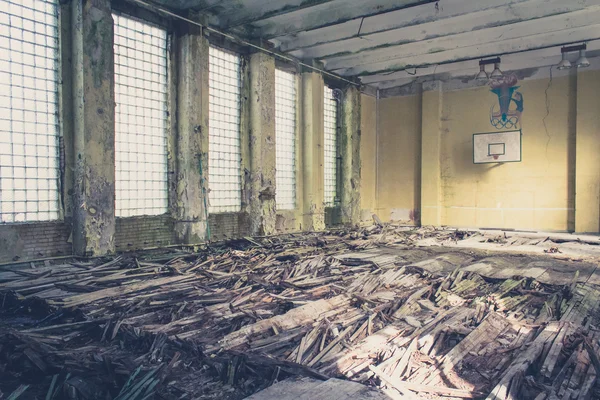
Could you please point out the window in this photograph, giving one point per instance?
(224, 155)
(141, 118)
(330, 147)
(285, 132)
(29, 135)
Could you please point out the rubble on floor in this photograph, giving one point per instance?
(226, 320)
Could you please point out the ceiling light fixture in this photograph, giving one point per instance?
(581, 62)
(483, 75)
(564, 63)
(496, 73)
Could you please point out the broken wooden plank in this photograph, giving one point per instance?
(523, 361)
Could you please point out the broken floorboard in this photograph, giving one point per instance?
(443, 261)
(227, 320)
(311, 389)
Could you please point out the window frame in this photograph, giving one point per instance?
(60, 103)
(295, 141)
(242, 136)
(150, 19)
(335, 202)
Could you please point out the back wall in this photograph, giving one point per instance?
(556, 187)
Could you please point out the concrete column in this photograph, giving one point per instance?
(312, 150)
(587, 165)
(350, 156)
(431, 120)
(262, 144)
(93, 127)
(66, 119)
(191, 49)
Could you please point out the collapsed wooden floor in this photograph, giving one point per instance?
(227, 320)
(309, 389)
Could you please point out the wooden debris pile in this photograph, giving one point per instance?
(227, 320)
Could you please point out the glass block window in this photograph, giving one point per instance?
(29, 134)
(141, 118)
(224, 150)
(285, 133)
(330, 147)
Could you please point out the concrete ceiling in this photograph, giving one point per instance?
(396, 43)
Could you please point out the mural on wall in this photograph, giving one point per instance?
(506, 114)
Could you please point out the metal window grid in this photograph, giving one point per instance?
(330, 146)
(141, 118)
(224, 155)
(285, 134)
(29, 132)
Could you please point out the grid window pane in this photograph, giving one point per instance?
(285, 133)
(141, 118)
(330, 148)
(29, 151)
(224, 155)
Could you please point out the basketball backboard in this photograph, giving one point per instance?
(497, 147)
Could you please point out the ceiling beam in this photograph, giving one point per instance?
(453, 43)
(467, 70)
(473, 21)
(185, 4)
(478, 50)
(328, 14)
(511, 62)
(460, 83)
(208, 8)
(413, 16)
(436, 70)
(235, 14)
(540, 57)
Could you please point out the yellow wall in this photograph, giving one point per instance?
(587, 180)
(399, 150)
(368, 156)
(532, 194)
(560, 158)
